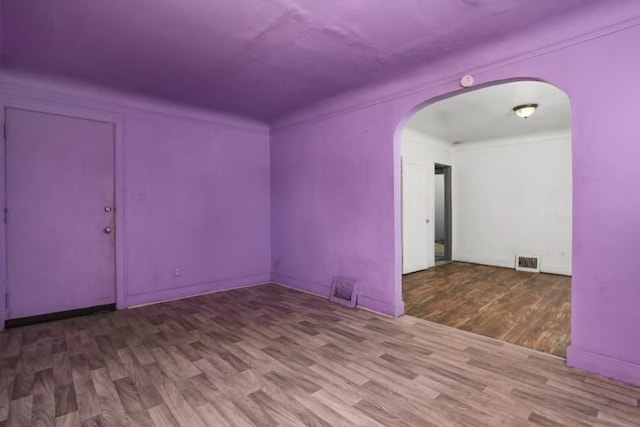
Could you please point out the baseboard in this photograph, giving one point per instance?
(619, 370)
(164, 295)
(60, 315)
(301, 285)
(381, 307)
(495, 262)
(484, 261)
(561, 270)
(293, 288)
(364, 302)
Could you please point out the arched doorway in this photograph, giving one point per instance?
(507, 207)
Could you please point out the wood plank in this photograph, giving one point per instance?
(527, 309)
(267, 356)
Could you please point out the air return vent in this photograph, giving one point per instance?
(528, 263)
(344, 291)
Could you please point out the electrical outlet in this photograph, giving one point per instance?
(177, 272)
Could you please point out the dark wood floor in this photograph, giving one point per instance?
(268, 356)
(527, 309)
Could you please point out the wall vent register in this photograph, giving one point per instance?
(528, 263)
(344, 291)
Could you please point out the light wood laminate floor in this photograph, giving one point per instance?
(270, 356)
(528, 309)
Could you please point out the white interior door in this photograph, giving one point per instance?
(61, 214)
(417, 207)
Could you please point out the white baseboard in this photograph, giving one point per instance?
(495, 262)
(563, 270)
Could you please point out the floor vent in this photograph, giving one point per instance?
(528, 263)
(344, 291)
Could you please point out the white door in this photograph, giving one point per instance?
(417, 241)
(60, 201)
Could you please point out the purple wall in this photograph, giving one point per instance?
(332, 206)
(235, 55)
(198, 198)
(336, 182)
(197, 184)
(194, 190)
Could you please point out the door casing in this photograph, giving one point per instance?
(446, 171)
(82, 113)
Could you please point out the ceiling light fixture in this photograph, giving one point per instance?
(525, 111)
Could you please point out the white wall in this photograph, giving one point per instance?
(510, 196)
(421, 148)
(513, 196)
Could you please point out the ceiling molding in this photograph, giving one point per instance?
(284, 125)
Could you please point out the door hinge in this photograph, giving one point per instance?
(6, 215)
(6, 302)
(4, 131)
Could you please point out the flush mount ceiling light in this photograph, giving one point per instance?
(525, 111)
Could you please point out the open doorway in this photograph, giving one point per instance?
(442, 214)
(498, 188)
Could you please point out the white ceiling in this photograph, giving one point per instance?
(487, 113)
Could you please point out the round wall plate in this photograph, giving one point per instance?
(466, 81)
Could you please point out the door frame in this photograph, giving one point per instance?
(445, 170)
(423, 164)
(118, 121)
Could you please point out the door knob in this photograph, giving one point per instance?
(108, 230)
